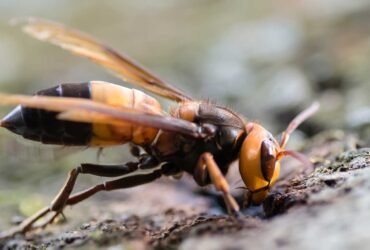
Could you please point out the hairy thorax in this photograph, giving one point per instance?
(183, 151)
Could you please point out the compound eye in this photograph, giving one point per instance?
(228, 136)
(268, 159)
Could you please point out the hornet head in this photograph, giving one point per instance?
(260, 155)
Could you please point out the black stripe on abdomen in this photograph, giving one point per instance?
(43, 126)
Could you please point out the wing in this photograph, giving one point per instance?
(85, 110)
(82, 45)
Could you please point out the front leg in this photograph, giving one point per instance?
(207, 165)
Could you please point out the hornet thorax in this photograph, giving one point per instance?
(183, 152)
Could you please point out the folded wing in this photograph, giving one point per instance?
(84, 110)
(82, 45)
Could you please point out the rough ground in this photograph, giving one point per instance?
(324, 209)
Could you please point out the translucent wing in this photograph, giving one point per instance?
(85, 110)
(82, 45)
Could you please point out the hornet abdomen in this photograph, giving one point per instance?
(43, 126)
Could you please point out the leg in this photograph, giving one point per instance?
(61, 198)
(108, 170)
(124, 182)
(218, 180)
(99, 170)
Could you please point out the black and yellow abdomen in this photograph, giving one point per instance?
(43, 126)
(116, 95)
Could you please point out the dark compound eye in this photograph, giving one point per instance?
(268, 159)
(227, 136)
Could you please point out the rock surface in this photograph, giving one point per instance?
(324, 209)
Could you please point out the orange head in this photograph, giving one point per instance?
(260, 155)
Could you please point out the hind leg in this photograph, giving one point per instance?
(63, 197)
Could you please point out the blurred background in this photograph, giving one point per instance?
(265, 59)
